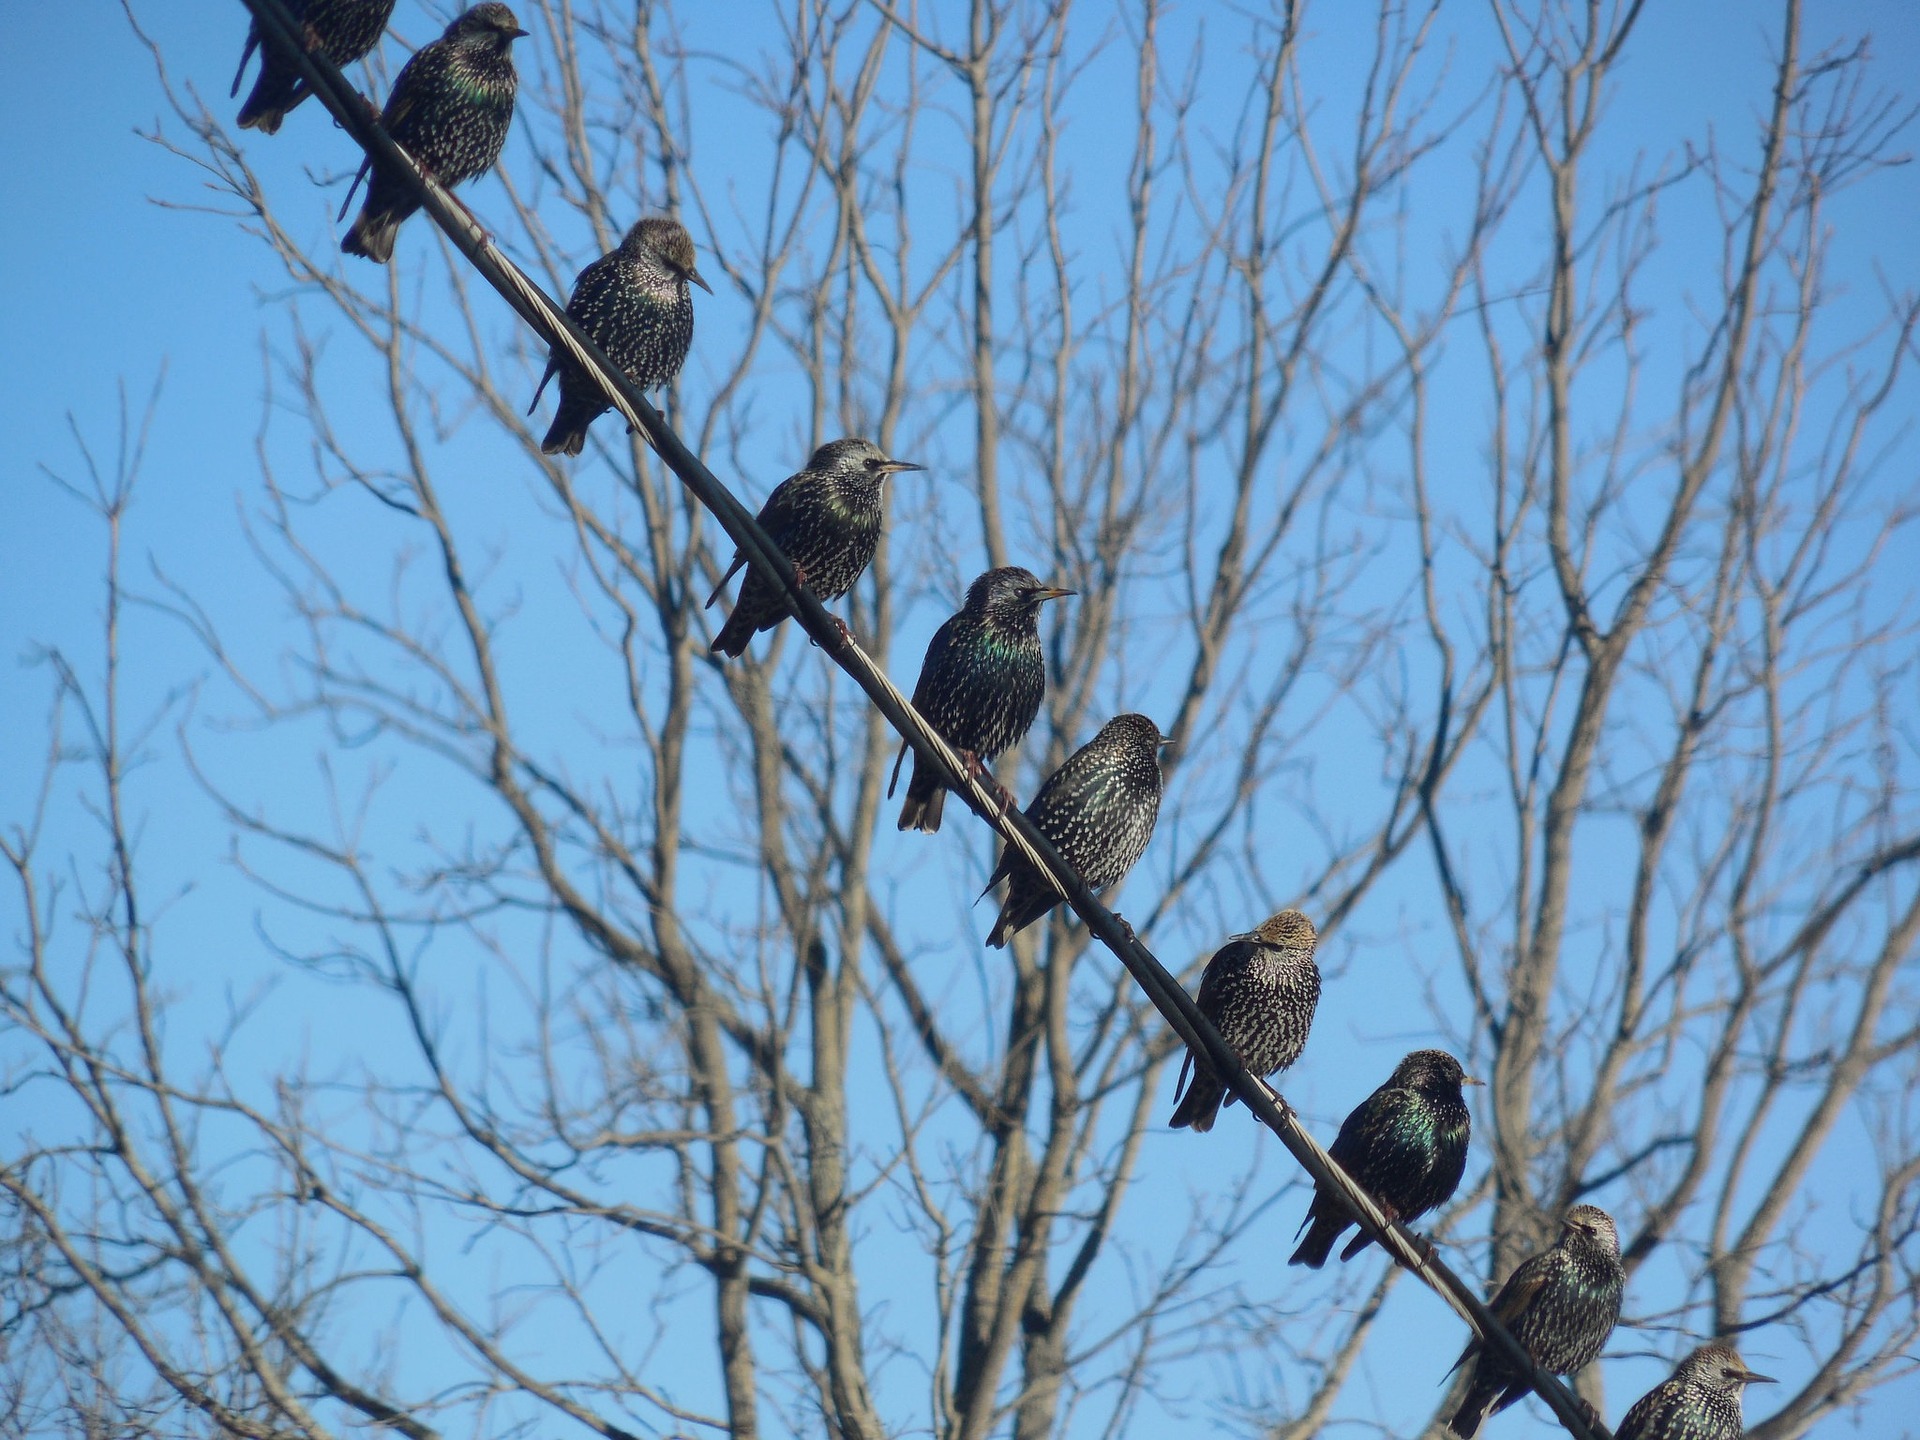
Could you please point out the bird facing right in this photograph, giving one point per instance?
(1406, 1144)
(1097, 809)
(981, 683)
(1560, 1305)
(450, 109)
(1699, 1401)
(342, 31)
(1260, 992)
(826, 521)
(635, 304)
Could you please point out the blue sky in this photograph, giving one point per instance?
(113, 279)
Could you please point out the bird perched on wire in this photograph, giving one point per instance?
(1260, 991)
(1097, 809)
(450, 109)
(981, 683)
(1699, 1401)
(826, 520)
(636, 305)
(342, 31)
(1407, 1146)
(1560, 1305)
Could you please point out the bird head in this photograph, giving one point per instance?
(1719, 1367)
(666, 241)
(855, 459)
(489, 24)
(1288, 930)
(1432, 1068)
(1590, 1225)
(1010, 592)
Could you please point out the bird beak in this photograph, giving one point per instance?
(1750, 1377)
(516, 33)
(1469, 1080)
(694, 275)
(890, 467)
(1052, 592)
(1165, 741)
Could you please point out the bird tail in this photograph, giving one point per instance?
(1199, 1105)
(1313, 1250)
(735, 635)
(564, 437)
(1474, 1409)
(257, 115)
(1354, 1246)
(372, 234)
(1482, 1393)
(926, 798)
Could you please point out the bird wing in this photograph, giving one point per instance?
(1380, 1136)
(1523, 1287)
(776, 518)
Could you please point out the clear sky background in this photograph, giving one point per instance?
(110, 278)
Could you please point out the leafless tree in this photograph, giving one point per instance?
(1510, 575)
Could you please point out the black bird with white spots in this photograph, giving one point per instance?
(1407, 1146)
(1260, 991)
(1561, 1305)
(636, 304)
(341, 31)
(450, 109)
(1699, 1401)
(826, 520)
(1098, 811)
(981, 684)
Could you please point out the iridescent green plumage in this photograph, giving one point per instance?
(1406, 1144)
(981, 683)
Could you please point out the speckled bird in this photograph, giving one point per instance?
(826, 520)
(1560, 1305)
(450, 109)
(1407, 1146)
(636, 303)
(1699, 1401)
(341, 31)
(981, 683)
(1097, 809)
(1260, 991)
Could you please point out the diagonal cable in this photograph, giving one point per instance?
(554, 326)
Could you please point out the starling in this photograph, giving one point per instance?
(826, 520)
(342, 31)
(635, 304)
(1098, 810)
(449, 110)
(1407, 1146)
(1260, 992)
(981, 683)
(1699, 1401)
(1560, 1305)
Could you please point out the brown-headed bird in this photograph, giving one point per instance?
(981, 683)
(1260, 991)
(1699, 1401)
(1560, 1305)
(1098, 811)
(450, 109)
(1407, 1146)
(341, 31)
(636, 305)
(826, 520)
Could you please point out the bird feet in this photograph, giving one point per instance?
(1126, 929)
(974, 768)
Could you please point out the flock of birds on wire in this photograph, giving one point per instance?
(981, 687)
